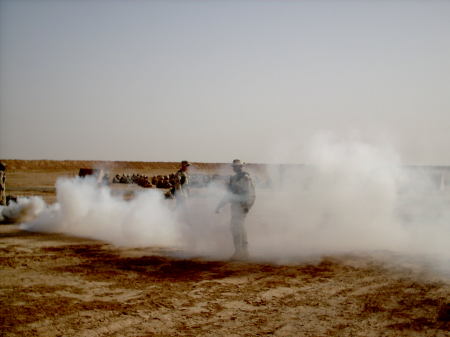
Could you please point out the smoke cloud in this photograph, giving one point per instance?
(22, 210)
(84, 208)
(353, 197)
(350, 197)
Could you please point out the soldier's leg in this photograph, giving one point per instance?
(238, 231)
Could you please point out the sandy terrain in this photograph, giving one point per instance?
(56, 285)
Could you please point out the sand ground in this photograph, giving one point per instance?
(57, 285)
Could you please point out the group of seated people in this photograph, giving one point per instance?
(159, 181)
(169, 181)
(138, 179)
(166, 181)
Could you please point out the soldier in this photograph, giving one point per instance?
(182, 182)
(3, 184)
(241, 196)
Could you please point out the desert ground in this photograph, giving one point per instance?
(58, 285)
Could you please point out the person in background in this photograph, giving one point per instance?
(2, 184)
(181, 188)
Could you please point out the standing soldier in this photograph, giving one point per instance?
(2, 184)
(241, 196)
(181, 190)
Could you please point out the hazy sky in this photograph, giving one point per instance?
(216, 80)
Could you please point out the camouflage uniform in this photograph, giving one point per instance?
(241, 198)
(2, 184)
(181, 185)
(181, 188)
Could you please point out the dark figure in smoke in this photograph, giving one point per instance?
(241, 196)
(2, 184)
(181, 188)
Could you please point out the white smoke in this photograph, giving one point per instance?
(87, 209)
(22, 210)
(351, 197)
(343, 200)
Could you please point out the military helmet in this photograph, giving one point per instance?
(185, 163)
(237, 162)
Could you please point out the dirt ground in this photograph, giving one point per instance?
(57, 285)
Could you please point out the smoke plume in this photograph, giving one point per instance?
(22, 210)
(350, 197)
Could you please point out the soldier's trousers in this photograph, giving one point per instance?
(238, 215)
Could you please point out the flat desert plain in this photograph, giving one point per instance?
(58, 285)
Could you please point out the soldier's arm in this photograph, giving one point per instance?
(246, 184)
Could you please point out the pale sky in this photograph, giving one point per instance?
(211, 81)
